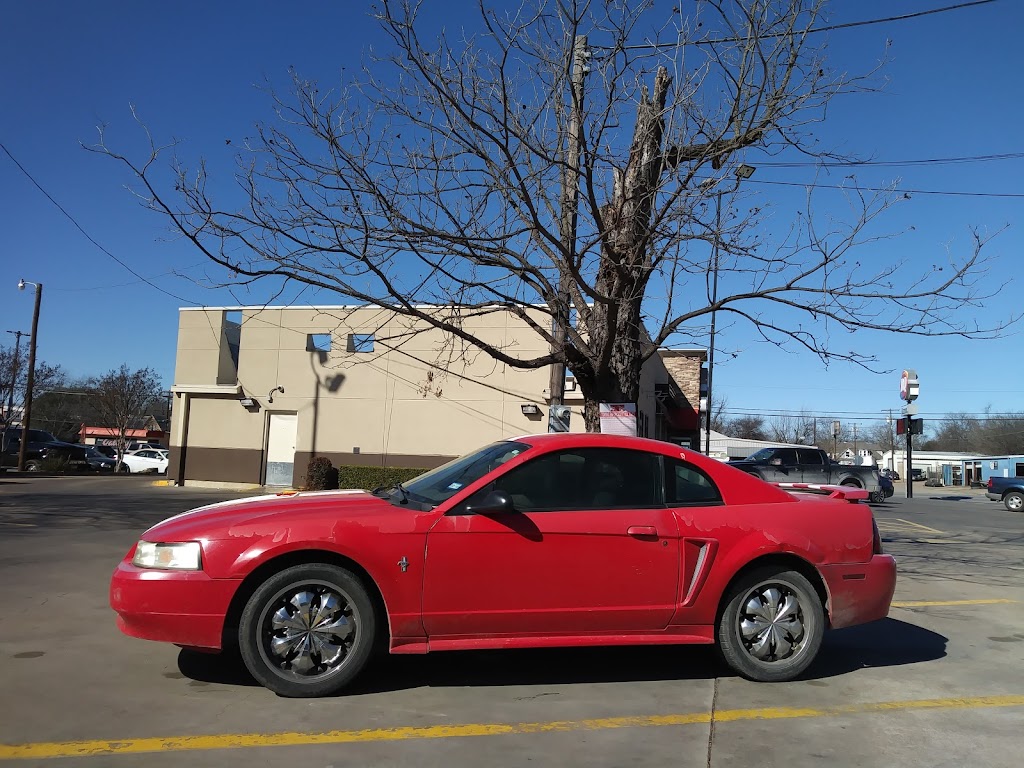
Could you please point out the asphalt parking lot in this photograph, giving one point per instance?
(938, 683)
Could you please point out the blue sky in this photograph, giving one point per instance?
(191, 69)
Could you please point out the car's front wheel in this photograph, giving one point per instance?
(771, 627)
(1014, 501)
(33, 466)
(308, 630)
(877, 497)
(125, 469)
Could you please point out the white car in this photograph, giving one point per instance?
(146, 460)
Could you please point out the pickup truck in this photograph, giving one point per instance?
(810, 465)
(41, 446)
(1009, 490)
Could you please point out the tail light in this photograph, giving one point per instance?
(990, 483)
(876, 539)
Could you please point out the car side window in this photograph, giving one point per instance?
(686, 485)
(581, 478)
(787, 456)
(810, 457)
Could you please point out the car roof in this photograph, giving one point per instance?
(556, 440)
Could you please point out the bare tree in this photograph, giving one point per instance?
(491, 170)
(123, 398)
(14, 378)
(747, 427)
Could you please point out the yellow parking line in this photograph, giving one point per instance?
(929, 603)
(918, 525)
(93, 748)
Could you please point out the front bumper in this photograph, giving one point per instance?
(860, 592)
(181, 607)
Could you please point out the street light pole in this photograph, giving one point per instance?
(743, 171)
(14, 373)
(26, 421)
(714, 300)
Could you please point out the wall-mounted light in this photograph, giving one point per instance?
(247, 402)
(270, 395)
(530, 409)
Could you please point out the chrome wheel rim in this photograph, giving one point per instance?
(308, 630)
(771, 623)
(1015, 503)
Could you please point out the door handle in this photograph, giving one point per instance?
(642, 531)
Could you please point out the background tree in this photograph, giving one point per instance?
(63, 410)
(747, 427)
(14, 378)
(123, 399)
(563, 154)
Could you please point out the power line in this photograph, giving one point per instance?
(828, 28)
(994, 158)
(855, 188)
(89, 237)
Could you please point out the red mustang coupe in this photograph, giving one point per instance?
(548, 540)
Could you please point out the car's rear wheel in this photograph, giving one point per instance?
(771, 627)
(308, 630)
(877, 497)
(125, 469)
(1014, 501)
(33, 466)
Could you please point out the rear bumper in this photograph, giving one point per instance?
(181, 607)
(994, 496)
(861, 592)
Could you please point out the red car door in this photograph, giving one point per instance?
(590, 547)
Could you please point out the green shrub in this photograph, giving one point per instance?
(368, 478)
(321, 474)
(55, 465)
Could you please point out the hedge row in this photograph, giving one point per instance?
(322, 476)
(369, 478)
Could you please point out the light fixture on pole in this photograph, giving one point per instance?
(743, 171)
(26, 421)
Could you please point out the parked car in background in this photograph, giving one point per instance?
(886, 487)
(542, 541)
(42, 448)
(98, 462)
(148, 460)
(1009, 490)
(892, 474)
(107, 450)
(918, 474)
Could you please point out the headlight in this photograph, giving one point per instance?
(182, 556)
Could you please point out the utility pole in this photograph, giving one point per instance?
(714, 299)
(26, 421)
(14, 372)
(855, 442)
(570, 204)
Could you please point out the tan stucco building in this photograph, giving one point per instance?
(259, 390)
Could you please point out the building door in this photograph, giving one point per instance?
(281, 448)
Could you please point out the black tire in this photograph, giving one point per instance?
(278, 666)
(877, 497)
(799, 651)
(33, 466)
(124, 469)
(850, 483)
(1014, 501)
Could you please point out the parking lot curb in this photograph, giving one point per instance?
(163, 483)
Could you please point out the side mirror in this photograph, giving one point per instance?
(494, 503)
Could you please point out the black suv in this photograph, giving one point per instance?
(41, 447)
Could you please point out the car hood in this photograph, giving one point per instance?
(272, 514)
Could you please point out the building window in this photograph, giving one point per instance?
(360, 342)
(318, 342)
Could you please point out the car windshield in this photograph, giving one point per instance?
(34, 436)
(442, 483)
